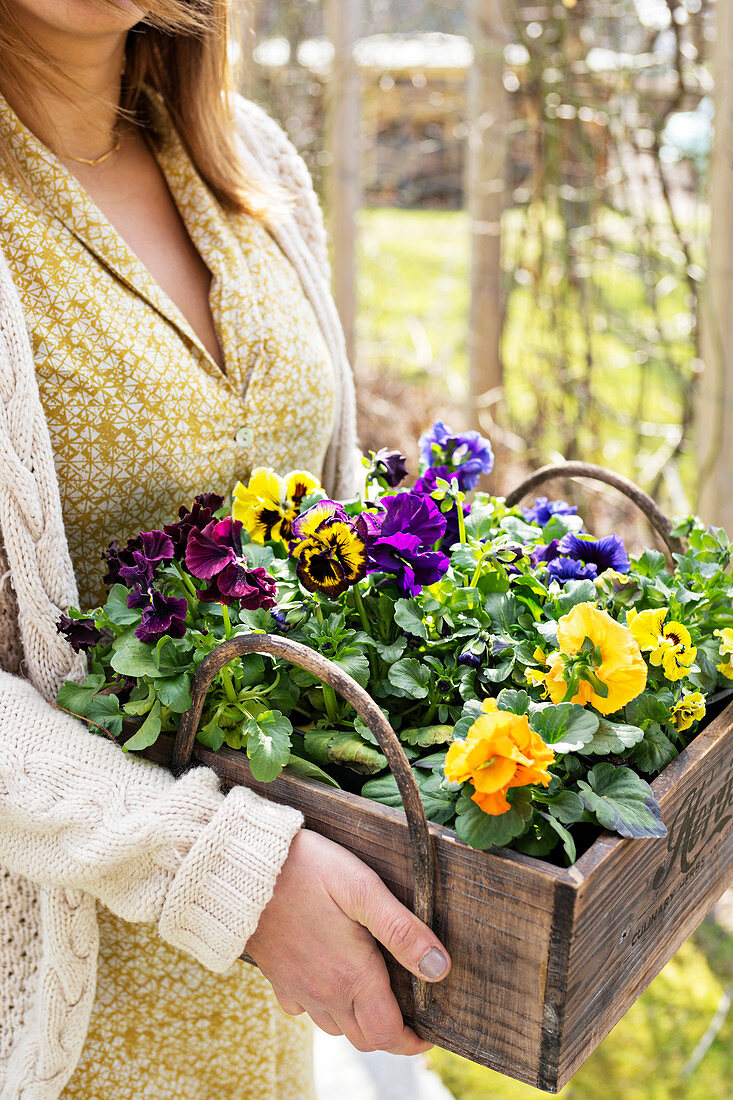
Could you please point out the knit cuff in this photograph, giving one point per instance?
(217, 895)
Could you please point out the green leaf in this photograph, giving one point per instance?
(520, 531)
(435, 761)
(355, 663)
(393, 652)
(175, 692)
(309, 770)
(517, 702)
(482, 830)
(613, 738)
(559, 525)
(566, 838)
(566, 806)
(116, 608)
(481, 524)
(132, 657)
(622, 802)
(85, 701)
(348, 749)
(407, 614)
(566, 726)
(654, 753)
(104, 710)
(137, 707)
(316, 745)
(409, 678)
(148, 733)
(211, 735)
(268, 744)
(253, 669)
(650, 706)
(75, 697)
(472, 710)
(438, 801)
(172, 656)
(426, 736)
(500, 672)
(574, 592)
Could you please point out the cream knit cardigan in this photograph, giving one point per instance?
(79, 820)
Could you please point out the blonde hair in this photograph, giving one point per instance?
(181, 51)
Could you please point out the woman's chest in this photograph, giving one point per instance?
(141, 418)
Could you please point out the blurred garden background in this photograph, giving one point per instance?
(531, 216)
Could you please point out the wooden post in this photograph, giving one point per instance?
(715, 405)
(485, 187)
(343, 24)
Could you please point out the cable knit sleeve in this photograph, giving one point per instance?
(76, 812)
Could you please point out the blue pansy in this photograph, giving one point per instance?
(465, 455)
(606, 553)
(543, 510)
(570, 569)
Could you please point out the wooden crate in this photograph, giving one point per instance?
(545, 961)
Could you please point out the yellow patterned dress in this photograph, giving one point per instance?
(141, 419)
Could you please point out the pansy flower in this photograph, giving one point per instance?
(606, 553)
(570, 569)
(669, 645)
(81, 634)
(161, 614)
(155, 548)
(390, 467)
(197, 517)
(464, 455)
(543, 510)
(598, 661)
(329, 552)
(409, 526)
(268, 504)
(690, 709)
(726, 651)
(215, 555)
(500, 751)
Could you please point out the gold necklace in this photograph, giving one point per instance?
(96, 161)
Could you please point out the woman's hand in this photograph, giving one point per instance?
(315, 944)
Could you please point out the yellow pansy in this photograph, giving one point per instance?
(500, 751)
(691, 708)
(669, 644)
(726, 651)
(598, 661)
(268, 504)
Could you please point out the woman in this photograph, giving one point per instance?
(165, 325)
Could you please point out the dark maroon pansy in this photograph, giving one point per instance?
(211, 550)
(252, 588)
(81, 634)
(391, 466)
(161, 614)
(196, 518)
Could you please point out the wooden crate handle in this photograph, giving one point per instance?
(423, 853)
(653, 513)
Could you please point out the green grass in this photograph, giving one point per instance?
(413, 309)
(644, 1056)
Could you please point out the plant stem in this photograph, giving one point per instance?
(364, 621)
(329, 695)
(186, 581)
(228, 685)
(477, 571)
(461, 522)
(227, 621)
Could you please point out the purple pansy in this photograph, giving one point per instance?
(426, 484)
(414, 514)
(196, 518)
(471, 660)
(161, 614)
(215, 555)
(545, 553)
(252, 588)
(405, 557)
(466, 455)
(570, 569)
(136, 563)
(212, 549)
(543, 510)
(606, 553)
(390, 466)
(81, 634)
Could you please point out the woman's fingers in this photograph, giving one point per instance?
(325, 1021)
(410, 941)
(289, 1006)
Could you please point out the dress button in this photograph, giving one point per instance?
(243, 438)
